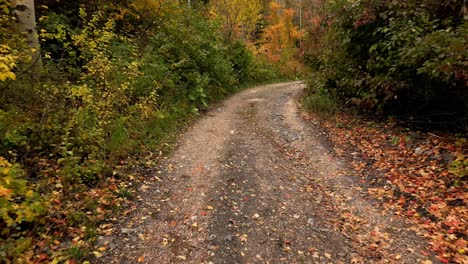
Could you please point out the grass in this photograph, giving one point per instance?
(320, 103)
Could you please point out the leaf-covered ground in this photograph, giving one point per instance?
(253, 183)
(420, 176)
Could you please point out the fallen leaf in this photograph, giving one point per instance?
(243, 238)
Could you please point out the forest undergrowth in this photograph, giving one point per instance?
(102, 96)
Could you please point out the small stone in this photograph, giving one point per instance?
(428, 153)
(103, 241)
(128, 230)
(419, 151)
(228, 238)
(170, 204)
(310, 221)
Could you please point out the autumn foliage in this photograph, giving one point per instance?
(238, 17)
(281, 39)
(403, 58)
(400, 65)
(119, 78)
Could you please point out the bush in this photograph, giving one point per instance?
(397, 57)
(242, 61)
(20, 206)
(320, 102)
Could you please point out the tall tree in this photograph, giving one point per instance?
(281, 33)
(239, 17)
(26, 24)
(281, 40)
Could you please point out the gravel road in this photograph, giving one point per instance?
(252, 182)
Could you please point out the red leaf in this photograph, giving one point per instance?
(444, 260)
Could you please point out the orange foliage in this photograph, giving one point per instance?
(315, 22)
(280, 38)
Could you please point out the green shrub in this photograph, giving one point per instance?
(242, 61)
(321, 103)
(396, 57)
(20, 205)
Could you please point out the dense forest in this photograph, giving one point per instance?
(87, 87)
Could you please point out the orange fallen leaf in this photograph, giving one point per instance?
(4, 191)
(42, 256)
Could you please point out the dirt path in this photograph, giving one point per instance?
(253, 183)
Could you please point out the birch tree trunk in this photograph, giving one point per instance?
(26, 24)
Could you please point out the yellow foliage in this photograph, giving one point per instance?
(239, 17)
(18, 202)
(13, 48)
(7, 63)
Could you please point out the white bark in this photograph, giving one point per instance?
(26, 24)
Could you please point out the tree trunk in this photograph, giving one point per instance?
(26, 24)
(465, 10)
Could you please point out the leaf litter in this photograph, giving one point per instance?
(420, 176)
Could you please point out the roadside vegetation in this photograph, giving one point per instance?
(101, 84)
(92, 92)
(400, 58)
(388, 83)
